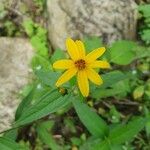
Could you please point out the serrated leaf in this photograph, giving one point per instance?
(112, 78)
(92, 43)
(89, 143)
(104, 145)
(7, 144)
(49, 103)
(103, 93)
(122, 52)
(24, 104)
(39, 62)
(11, 134)
(94, 123)
(47, 77)
(98, 144)
(125, 133)
(46, 136)
(109, 80)
(58, 54)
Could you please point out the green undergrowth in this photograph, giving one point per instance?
(115, 116)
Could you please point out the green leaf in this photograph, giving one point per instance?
(109, 80)
(146, 36)
(138, 92)
(121, 88)
(145, 10)
(38, 62)
(49, 103)
(58, 54)
(23, 105)
(47, 77)
(142, 51)
(26, 90)
(76, 141)
(69, 124)
(145, 26)
(11, 134)
(40, 46)
(122, 52)
(104, 145)
(7, 144)
(148, 128)
(46, 136)
(117, 147)
(92, 43)
(29, 27)
(96, 125)
(97, 144)
(103, 93)
(89, 143)
(38, 37)
(112, 78)
(147, 115)
(114, 114)
(125, 133)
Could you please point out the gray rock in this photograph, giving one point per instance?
(15, 55)
(77, 18)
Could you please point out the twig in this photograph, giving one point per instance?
(106, 104)
(126, 103)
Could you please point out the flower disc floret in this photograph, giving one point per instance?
(80, 64)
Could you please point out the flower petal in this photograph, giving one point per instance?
(66, 76)
(83, 83)
(94, 76)
(81, 49)
(95, 54)
(63, 64)
(100, 64)
(72, 49)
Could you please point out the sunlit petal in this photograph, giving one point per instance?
(83, 82)
(72, 49)
(81, 64)
(66, 76)
(81, 49)
(63, 64)
(94, 76)
(100, 64)
(95, 54)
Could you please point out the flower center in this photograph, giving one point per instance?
(80, 64)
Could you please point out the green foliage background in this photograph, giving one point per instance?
(114, 117)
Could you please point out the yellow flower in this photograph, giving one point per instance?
(81, 64)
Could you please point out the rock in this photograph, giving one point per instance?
(15, 55)
(112, 20)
